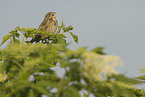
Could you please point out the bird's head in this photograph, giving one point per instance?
(50, 15)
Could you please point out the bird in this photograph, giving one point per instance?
(49, 24)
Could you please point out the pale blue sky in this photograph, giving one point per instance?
(117, 25)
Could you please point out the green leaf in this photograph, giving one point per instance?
(121, 92)
(13, 32)
(68, 28)
(63, 26)
(41, 89)
(142, 77)
(25, 29)
(142, 70)
(5, 38)
(75, 37)
(62, 23)
(31, 94)
(59, 29)
(124, 79)
(85, 95)
(31, 29)
(17, 28)
(99, 50)
(62, 35)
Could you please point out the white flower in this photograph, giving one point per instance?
(100, 65)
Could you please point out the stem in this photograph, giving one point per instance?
(23, 39)
(17, 63)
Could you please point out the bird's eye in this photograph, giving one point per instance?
(48, 15)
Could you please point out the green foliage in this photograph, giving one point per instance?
(85, 95)
(122, 78)
(5, 38)
(59, 37)
(22, 61)
(26, 68)
(67, 29)
(142, 70)
(99, 50)
(75, 37)
(142, 77)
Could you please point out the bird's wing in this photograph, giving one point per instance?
(56, 24)
(44, 22)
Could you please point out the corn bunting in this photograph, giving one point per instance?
(49, 24)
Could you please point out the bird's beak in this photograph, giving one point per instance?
(54, 17)
(53, 13)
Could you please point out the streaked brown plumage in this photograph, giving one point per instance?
(49, 24)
